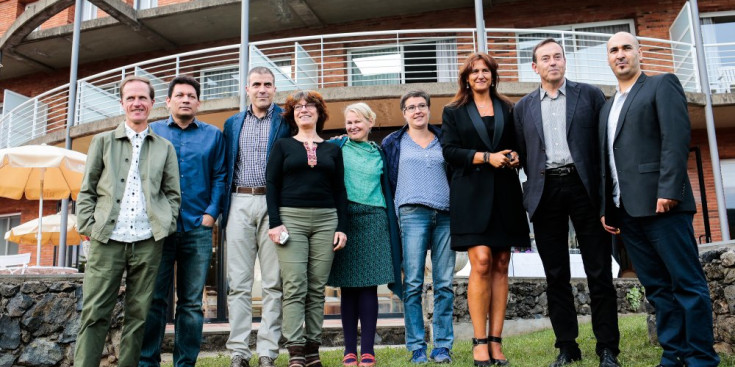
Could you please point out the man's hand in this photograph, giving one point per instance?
(207, 220)
(610, 229)
(664, 205)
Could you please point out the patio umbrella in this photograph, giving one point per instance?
(50, 229)
(40, 171)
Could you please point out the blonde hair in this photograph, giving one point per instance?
(362, 110)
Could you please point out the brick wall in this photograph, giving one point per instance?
(9, 11)
(28, 210)
(725, 137)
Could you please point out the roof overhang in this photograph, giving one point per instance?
(128, 32)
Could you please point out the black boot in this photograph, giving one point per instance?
(311, 352)
(296, 356)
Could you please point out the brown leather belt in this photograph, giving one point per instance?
(260, 190)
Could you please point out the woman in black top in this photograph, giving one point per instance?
(306, 199)
(486, 208)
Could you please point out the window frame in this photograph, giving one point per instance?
(202, 81)
(9, 216)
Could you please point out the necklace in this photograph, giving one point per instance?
(310, 154)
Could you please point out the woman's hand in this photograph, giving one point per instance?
(499, 159)
(275, 234)
(340, 240)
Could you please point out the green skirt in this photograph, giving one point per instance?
(366, 260)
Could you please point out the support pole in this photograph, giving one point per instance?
(480, 24)
(244, 52)
(70, 119)
(710, 121)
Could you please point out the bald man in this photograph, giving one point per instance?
(648, 200)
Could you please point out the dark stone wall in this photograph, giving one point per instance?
(527, 298)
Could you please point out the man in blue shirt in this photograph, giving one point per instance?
(200, 150)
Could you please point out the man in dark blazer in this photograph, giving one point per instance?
(556, 129)
(647, 198)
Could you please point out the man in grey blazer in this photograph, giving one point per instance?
(556, 129)
(647, 198)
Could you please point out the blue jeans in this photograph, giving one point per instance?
(191, 251)
(666, 259)
(422, 229)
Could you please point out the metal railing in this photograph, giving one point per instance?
(353, 59)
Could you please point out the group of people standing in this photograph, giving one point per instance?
(354, 214)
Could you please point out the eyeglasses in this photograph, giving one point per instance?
(309, 106)
(413, 108)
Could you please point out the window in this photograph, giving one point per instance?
(586, 54)
(284, 66)
(147, 4)
(728, 181)
(89, 11)
(718, 33)
(7, 222)
(220, 82)
(420, 62)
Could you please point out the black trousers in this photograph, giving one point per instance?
(565, 197)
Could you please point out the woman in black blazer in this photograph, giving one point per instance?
(486, 208)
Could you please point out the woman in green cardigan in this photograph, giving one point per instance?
(373, 256)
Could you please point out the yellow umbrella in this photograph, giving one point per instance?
(27, 233)
(40, 171)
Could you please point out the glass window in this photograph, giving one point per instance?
(7, 222)
(374, 67)
(147, 4)
(728, 181)
(89, 11)
(284, 66)
(718, 33)
(220, 82)
(417, 62)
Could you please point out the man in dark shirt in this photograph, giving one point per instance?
(200, 150)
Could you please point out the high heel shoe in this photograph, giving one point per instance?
(497, 362)
(476, 342)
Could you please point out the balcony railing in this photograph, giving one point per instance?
(357, 59)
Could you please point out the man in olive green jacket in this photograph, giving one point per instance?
(128, 204)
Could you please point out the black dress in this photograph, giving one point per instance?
(486, 203)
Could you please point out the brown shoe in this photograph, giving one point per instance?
(311, 352)
(296, 356)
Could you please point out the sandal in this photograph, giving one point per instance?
(349, 360)
(497, 362)
(367, 360)
(476, 342)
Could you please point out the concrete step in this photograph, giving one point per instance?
(214, 338)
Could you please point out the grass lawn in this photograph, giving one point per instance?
(530, 350)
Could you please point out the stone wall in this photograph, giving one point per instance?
(527, 298)
(39, 320)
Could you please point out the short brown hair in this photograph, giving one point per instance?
(545, 42)
(135, 78)
(309, 96)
